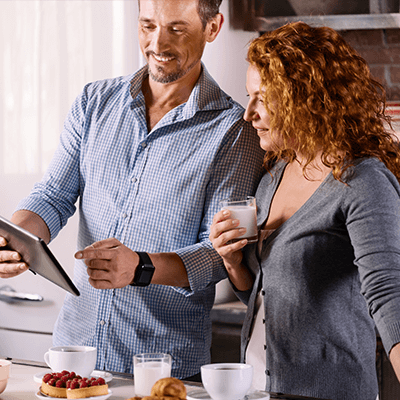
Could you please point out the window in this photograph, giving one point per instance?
(49, 51)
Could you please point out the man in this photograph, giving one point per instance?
(149, 156)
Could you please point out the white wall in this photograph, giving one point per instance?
(225, 58)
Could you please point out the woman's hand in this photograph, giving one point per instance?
(224, 230)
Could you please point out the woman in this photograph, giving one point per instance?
(328, 256)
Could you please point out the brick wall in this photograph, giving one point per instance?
(381, 49)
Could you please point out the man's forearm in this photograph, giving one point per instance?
(169, 270)
(32, 223)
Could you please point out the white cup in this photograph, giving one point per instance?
(5, 366)
(148, 368)
(78, 359)
(227, 381)
(244, 209)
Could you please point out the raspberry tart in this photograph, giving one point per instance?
(68, 385)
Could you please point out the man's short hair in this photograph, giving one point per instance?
(208, 9)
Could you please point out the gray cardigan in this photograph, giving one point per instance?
(325, 272)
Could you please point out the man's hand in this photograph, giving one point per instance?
(110, 264)
(10, 261)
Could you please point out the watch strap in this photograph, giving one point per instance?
(144, 258)
(144, 271)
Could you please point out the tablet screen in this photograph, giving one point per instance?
(36, 254)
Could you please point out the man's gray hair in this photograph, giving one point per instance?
(208, 9)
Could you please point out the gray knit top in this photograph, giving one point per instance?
(325, 272)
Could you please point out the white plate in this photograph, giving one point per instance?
(201, 394)
(39, 395)
(96, 374)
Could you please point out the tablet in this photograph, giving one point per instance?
(36, 254)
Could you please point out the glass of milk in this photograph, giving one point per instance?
(148, 368)
(244, 209)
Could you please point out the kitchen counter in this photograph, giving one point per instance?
(22, 386)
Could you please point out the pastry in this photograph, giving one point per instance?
(165, 389)
(169, 387)
(71, 386)
(55, 384)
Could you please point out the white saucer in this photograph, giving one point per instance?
(201, 394)
(107, 376)
(39, 395)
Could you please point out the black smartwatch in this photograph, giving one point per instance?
(144, 271)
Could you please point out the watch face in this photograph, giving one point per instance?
(145, 275)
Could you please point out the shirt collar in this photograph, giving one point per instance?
(205, 96)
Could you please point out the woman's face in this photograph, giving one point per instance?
(256, 111)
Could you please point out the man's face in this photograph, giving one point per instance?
(171, 37)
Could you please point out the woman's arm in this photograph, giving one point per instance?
(394, 356)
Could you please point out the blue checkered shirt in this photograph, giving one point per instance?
(154, 191)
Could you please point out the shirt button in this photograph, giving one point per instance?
(124, 215)
(134, 180)
(144, 144)
(102, 322)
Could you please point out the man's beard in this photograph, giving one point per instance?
(161, 77)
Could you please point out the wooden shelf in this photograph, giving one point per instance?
(338, 22)
(252, 15)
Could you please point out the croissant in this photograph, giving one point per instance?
(165, 389)
(169, 387)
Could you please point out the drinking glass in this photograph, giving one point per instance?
(148, 368)
(244, 209)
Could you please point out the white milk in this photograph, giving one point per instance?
(247, 215)
(147, 374)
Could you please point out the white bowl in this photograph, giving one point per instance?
(4, 374)
(227, 381)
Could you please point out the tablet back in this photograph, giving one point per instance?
(36, 254)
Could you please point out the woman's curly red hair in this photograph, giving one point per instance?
(324, 99)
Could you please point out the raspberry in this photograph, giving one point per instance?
(101, 381)
(74, 385)
(65, 378)
(58, 375)
(72, 375)
(83, 384)
(51, 382)
(46, 378)
(60, 384)
(64, 372)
